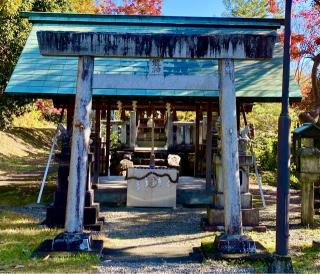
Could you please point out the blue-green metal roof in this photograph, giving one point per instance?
(138, 20)
(51, 76)
(306, 128)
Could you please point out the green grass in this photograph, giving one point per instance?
(25, 193)
(20, 236)
(207, 244)
(308, 261)
(305, 258)
(209, 249)
(23, 155)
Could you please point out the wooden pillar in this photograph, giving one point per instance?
(133, 124)
(152, 156)
(70, 112)
(196, 151)
(238, 115)
(108, 133)
(209, 148)
(80, 146)
(169, 126)
(97, 144)
(229, 150)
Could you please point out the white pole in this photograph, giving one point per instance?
(54, 141)
(229, 150)
(258, 177)
(80, 146)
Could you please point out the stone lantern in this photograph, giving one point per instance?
(306, 141)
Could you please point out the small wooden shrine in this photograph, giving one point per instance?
(138, 73)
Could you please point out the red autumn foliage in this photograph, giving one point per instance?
(273, 6)
(305, 40)
(48, 111)
(131, 7)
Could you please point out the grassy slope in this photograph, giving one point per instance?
(28, 140)
(23, 154)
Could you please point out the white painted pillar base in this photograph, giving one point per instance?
(80, 146)
(229, 150)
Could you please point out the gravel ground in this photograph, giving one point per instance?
(157, 241)
(155, 267)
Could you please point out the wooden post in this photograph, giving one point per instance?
(307, 203)
(108, 133)
(70, 112)
(97, 144)
(133, 125)
(152, 156)
(238, 113)
(209, 148)
(229, 150)
(80, 146)
(169, 126)
(196, 150)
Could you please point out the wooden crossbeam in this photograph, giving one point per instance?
(141, 45)
(156, 82)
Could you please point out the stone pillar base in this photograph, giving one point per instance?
(250, 217)
(246, 200)
(235, 244)
(72, 242)
(280, 264)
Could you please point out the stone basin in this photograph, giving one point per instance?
(152, 187)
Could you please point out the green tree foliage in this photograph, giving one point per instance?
(14, 31)
(264, 115)
(52, 5)
(246, 8)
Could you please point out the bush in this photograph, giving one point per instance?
(11, 106)
(265, 118)
(266, 153)
(48, 111)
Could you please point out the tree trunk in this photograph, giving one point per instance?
(312, 115)
(314, 79)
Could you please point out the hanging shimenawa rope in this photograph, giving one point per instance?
(155, 174)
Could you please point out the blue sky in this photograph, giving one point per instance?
(192, 7)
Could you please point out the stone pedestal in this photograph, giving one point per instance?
(152, 187)
(231, 244)
(307, 203)
(215, 213)
(56, 213)
(72, 242)
(280, 264)
(309, 174)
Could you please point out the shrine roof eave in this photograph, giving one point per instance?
(72, 18)
(294, 98)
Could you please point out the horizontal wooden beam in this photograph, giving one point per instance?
(156, 82)
(141, 45)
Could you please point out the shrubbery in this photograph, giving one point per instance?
(48, 111)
